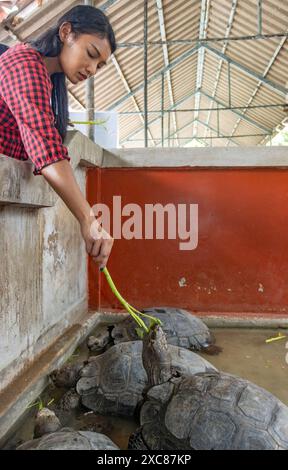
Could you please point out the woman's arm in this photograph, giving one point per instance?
(61, 178)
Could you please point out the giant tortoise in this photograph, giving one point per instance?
(113, 382)
(50, 436)
(209, 410)
(181, 327)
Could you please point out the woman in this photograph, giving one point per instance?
(34, 106)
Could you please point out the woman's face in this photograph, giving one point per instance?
(82, 56)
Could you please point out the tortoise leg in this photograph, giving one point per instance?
(212, 350)
(136, 441)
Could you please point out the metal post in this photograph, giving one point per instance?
(215, 137)
(218, 122)
(260, 13)
(90, 107)
(190, 110)
(229, 83)
(225, 39)
(146, 72)
(89, 90)
(162, 108)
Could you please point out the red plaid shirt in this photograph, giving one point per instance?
(27, 124)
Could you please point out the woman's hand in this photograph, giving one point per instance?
(98, 242)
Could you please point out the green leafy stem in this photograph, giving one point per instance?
(40, 404)
(133, 311)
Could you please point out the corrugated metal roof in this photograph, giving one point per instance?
(257, 67)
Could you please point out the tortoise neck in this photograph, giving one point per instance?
(156, 357)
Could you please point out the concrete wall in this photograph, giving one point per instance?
(240, 265)
(43, 275)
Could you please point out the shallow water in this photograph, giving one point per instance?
(118, 429)
(246, 354)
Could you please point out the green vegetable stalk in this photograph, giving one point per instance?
(133, 311)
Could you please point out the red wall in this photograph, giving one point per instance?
(241, 263)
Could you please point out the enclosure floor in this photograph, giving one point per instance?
(246, 354)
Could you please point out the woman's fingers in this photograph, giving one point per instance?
(96, 248)
(104, 252)
(89, 245)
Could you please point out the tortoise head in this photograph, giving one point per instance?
(98, 342)
(156, 356)
(157, 337)
(67, 375)
(46, 422)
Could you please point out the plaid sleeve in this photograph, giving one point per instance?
(27, 92)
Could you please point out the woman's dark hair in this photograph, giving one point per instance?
(84, 19)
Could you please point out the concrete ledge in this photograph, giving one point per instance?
(28, 385)
(222, 321)
(18, 185)
(216, 157)
(85, 152)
